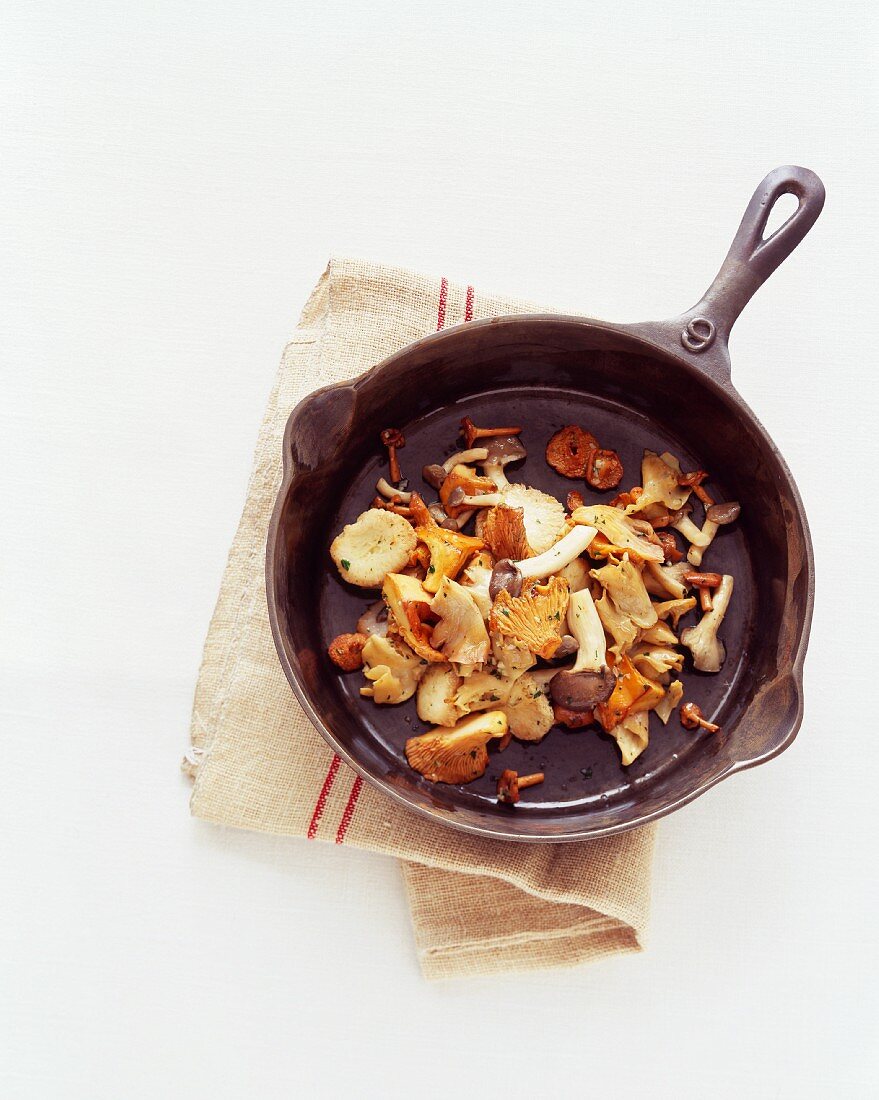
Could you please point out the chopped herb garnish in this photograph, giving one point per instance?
(346, 564)
(504, 611)
(431, 569)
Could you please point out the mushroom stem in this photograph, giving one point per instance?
(474, 454)
(483, 500)
(472, 433)
(392, 438)
(495, 471)
(558, 555)
(530, 780)
(587, 628)
(395, 495)
(463, 518)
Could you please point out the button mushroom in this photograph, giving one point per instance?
(510, 575)
(510, 783)
(589, 681)
(702, 641)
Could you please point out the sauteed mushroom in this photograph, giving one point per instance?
(393, 439)
(692, 718)
(509, 575)
(471, 433)
(510, 783)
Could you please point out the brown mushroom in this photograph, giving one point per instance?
(346, 651)
(692, 718)
(704, 582)
(500, 451)
(581, 691)
(434, 475)
(668, 544)
(693, 480)
(572, 719)
(574, 500)
(393, 439)
(604, 470)
(722, 514)
(510, 783)
(471, 433)
(569, 449)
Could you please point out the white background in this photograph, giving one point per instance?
(174, 178)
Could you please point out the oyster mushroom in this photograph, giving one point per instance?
(459, 754)
(392, 669)
(510, 575)
(673, 695)
(660, 481)
(435, 698)
(625, 533)
(702, 641)
(374, 619)
(527, 709)
(533, 619)
(460, 634)
(589, 681)
(631, 735)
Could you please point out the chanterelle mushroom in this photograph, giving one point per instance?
(503, 531)
(456, 755)
(702, 641)
(533, 619)
(589, 681)
(377, 543)
(449, 551)
(510, 783)
(542, 514)
(633, 692)
(660, 476)
(409, 605)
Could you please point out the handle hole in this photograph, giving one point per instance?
(783, 209)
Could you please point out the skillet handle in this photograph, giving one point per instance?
(704, 330)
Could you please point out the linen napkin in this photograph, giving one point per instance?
(478, 906)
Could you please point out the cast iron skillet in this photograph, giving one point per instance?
(659, 385)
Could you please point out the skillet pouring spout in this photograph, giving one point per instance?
(543, 371)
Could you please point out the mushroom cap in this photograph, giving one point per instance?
(503, 449)
(722, 514)
(505, 577)
(535, 618)
(377, 543)
(503, 531)
(579, 691)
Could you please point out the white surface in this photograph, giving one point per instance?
(174, 178)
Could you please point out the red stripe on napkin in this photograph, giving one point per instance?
(349, 810)
(323, 796)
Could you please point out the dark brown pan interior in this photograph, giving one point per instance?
(544, 373)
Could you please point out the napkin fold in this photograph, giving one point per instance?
(478, 906)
